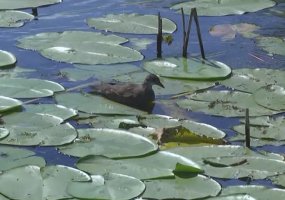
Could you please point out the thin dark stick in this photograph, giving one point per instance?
(159, 37)
(35, 12)
(199, 33)
(247, 129)
(186, 41)
(183, 24)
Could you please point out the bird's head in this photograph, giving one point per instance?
(152, 79)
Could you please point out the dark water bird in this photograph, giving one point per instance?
(139, 96)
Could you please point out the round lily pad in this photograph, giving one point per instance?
(191, 69)
(28, 88)
(249, 80)
(224, 103)
(195, 187)
(159, 165)
(12, 5)
(28, 129)
(131, 23)
(7, 59)
(94, 104)
(3, 132)
(109, 186)
(256, 191)
(112, 143)
(271, 96)
(7, 103)
(12, 157)
(81, 47)
(51, 109)
(272, 45)
(221, 8)
(14, 18)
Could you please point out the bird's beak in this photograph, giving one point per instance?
(160, 84)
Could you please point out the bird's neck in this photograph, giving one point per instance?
(147, 85)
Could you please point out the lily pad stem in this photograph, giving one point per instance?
(159, 37)
(247, 129)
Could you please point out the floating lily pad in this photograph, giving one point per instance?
(11, 157)
(171, 86)
(51, 109)
(7, 59)
(256, 191)
(273, 130)
(109, 142)
(7, 103)
(256, 142)
(16, 72)
(56, 179)
(35, 183)
(224, 103)
(100, 72)
(11, 5)
(233, 162)
(14, 18)
(37, 129)
(278, 180)
(161, 121)
(272, 45)
(190, 69)
(131, 23)
(3, 132)
(221, 8)
(94, 104)
(229, 32)
(196, 187)
(249, 80)
(109, 121)
(81, 47)
(271, 96)
(159, 165)
(110, 186)
(233, 197)
(28, 88)
(140, 43)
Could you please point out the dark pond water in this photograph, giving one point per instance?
(71, 15)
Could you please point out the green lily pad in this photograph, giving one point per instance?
(7, 103)
(11, 5)
(110, 186)
(109, 121)
(28, 88)
(16, 72)
(161, 121)
(51, 109)
(256, 191)
(171, 86)
(81, 47)
(228, 32)
(3, 133)
(198, 153)
(196, 187)
(57, 178)
(94, 104)
(190, 69)
(224, 103)
(12, 157)
(140, 43)
(7, 59)
(101, 72)
(28, 129)
(271, 96)
(249, 80)
(109, 142)
(159, 165)
(131, 23)
(256, 142)
(14, 18)
(272, 45)
(233, 197)
(278, 180)
(272, 130)
(35, 183)
(221, 8)
(233, 162)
